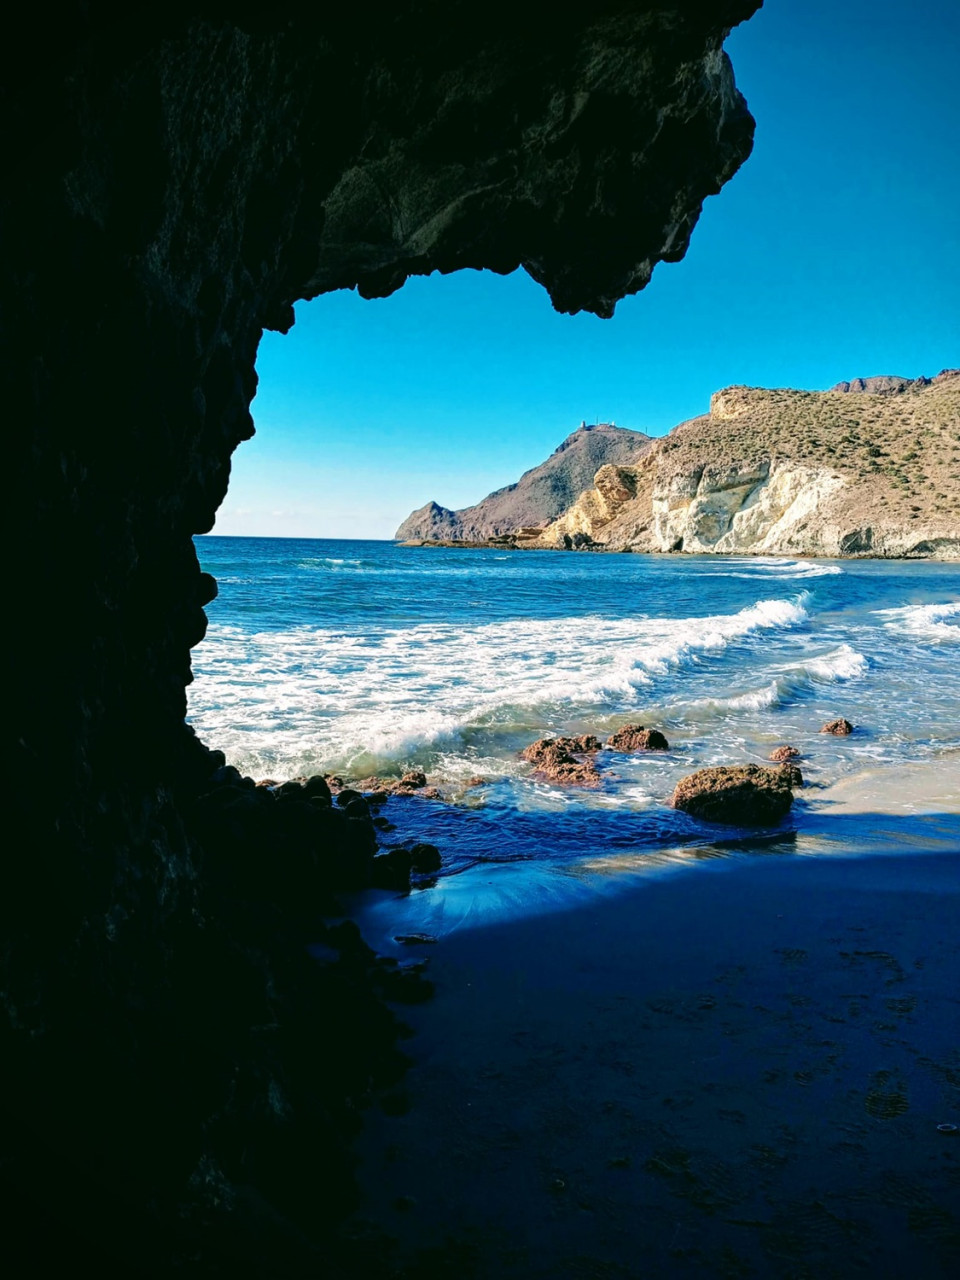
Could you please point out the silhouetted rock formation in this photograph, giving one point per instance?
(174, 180)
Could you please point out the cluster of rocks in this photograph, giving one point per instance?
(748, 795)
(321, 833)
(565, 760)
(572, 760)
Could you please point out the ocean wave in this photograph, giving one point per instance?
(334, 563)
(926, 621)
(790, 681)
(308, 697)
(775, 567)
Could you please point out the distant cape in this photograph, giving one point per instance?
(539, 496)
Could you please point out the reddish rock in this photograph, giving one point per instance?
(746, 795)
(634, 737)
(781, 754)
(561, 759)
(373, 784)
(839, 728)
(378, 790)
(546, 749)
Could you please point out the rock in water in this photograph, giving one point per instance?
(792, 772)
(839, 728)
(634, 737)
(781, 754)
(561, 759)
(425, 858)
(745, 795)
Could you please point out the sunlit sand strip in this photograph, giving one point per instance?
(931, 787)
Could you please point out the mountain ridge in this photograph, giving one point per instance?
(540, 495)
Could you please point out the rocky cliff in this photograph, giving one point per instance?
(177, 1074)
(870, 468)
(539, 496)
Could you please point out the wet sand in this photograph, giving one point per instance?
(737, 1070)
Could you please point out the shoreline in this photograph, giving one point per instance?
(507, 542)
(733, 1072)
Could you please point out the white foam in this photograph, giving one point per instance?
(774, 567)
(309, 697)
(925, 621)
(790, 680)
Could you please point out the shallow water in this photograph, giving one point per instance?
(361, 657)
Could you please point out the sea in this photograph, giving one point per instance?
(365, 657)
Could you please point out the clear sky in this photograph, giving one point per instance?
(833, 253)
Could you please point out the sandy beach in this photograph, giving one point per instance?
(734, 1069)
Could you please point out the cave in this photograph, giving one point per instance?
(176, 180)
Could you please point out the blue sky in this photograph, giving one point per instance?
(833, 253)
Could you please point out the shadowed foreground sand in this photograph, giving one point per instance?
(737, 1070)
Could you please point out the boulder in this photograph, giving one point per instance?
(561, 759)
(745, 795)
(779, 755)
(358, 808)
(425, 858)
(317, 788)
(839, 728)
(413, 780)
(634, 737)
(391, 870)
(792, 772)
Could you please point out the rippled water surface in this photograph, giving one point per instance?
(361, 657)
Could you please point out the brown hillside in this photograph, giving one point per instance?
(802, 472)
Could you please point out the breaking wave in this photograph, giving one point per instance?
(310, 697)
(924, 621)
(790, 681)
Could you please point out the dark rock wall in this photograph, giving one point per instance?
(174, 180)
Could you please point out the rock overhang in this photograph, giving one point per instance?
(176, 181)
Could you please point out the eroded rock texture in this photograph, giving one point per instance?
(174, 180)
(866, 469)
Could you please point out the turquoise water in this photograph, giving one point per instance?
(362, 657)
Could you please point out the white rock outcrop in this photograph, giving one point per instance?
(741, 510)
(868, 469)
